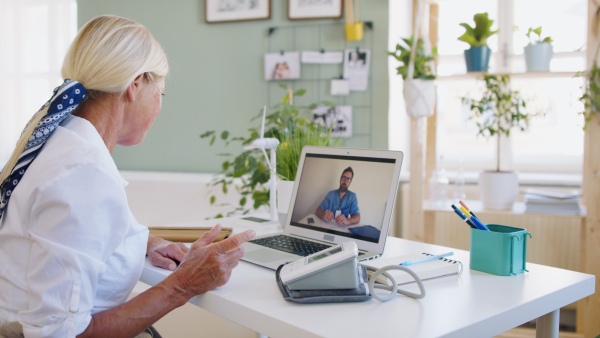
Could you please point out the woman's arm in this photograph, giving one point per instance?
(204, 267)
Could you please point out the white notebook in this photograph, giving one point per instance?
(434, 269)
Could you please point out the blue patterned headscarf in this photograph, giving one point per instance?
(63, 102)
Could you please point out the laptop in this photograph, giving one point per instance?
(339, 195)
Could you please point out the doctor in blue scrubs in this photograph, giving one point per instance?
(342, 200)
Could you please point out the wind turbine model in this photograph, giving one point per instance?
(263, 143)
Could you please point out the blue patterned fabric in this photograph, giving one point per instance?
(63, 102)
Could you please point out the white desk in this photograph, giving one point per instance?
(474, 304)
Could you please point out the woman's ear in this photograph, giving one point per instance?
(134, 87)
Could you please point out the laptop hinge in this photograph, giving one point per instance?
(312, 239)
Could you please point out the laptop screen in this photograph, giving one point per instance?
(344, 195)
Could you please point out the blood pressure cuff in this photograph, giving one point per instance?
(359, 294)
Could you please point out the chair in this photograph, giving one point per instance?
(11, 330)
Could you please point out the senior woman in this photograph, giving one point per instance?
(70, 249)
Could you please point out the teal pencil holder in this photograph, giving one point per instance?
(501, 251)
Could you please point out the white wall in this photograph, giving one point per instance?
(400, 26)
(162, 198)
(371, 183)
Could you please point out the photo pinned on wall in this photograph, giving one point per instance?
(236, 10)
(314, 9)
(340, 87)
(322, 57)
(340, 117)
(356, 68)
(282, 66)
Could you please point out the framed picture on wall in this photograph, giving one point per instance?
(314, 9)
(236, 10)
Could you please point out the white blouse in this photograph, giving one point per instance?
(69, 245)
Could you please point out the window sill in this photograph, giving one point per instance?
(529, 179)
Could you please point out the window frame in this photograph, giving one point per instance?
(60, 29)
(505, 61)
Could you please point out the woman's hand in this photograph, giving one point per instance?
(165, 254)
(208, 265)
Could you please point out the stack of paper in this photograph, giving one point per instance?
(552, 201)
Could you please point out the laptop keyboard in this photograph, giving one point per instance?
(291, 245)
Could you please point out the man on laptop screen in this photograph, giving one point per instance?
(340, 205)
(339, 213)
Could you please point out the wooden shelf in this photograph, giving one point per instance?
(531, 75)
(517, 209)
(530, 333)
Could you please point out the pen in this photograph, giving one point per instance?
(464, 218)
(426, 259)
(465, 211)
(474, 219)
(478, 224)
(469, 216)
(466, 207)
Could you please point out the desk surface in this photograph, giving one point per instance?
(472, 304)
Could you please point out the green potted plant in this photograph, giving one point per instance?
(591, 93)
(418, 75)
(477, 57)
(498, 111)
(538, 52)
(249, 172)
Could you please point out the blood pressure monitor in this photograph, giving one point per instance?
(332, 268)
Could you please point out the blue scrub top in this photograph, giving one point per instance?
(348, 205)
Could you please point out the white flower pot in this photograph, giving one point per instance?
(498, 189)
(419, 97)
(538, 56)
(284, 196)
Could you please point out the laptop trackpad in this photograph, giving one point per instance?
(266, 255)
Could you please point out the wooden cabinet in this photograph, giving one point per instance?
(556, 239)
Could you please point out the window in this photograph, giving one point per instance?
(35, 37)
(554, 143)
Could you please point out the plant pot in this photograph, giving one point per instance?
(419, 97)
(284, 196)
(354, 32)
(538, 56)
(498, 189)
(478, 58)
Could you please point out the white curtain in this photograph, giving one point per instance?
(34, 37)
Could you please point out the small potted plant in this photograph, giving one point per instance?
(498, 111)
(538, 52)
(293, 128)
(419, 89)
(477, 57)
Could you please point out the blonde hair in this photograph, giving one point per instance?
(108, 53)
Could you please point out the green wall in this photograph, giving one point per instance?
(217, 82)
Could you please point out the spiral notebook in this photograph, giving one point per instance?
(442, 267)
